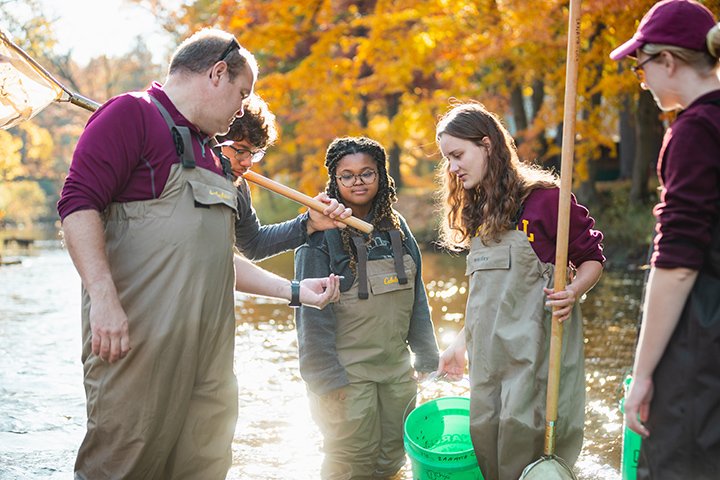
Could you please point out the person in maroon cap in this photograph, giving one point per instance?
(674, 399)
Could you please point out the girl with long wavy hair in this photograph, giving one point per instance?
(354, 354)
(504, 212)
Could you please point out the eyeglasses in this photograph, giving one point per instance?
(242, 154)
(228, 50)
(366, 178)
(639, 69)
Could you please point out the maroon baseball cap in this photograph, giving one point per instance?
(682, 23)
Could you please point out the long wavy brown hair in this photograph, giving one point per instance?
(491, 207)
(382, 214)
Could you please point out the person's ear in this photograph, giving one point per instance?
(217, 71)
(669, 62)
(486, 142)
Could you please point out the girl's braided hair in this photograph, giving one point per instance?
(383, 216)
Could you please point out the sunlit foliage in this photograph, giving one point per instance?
(387, 69)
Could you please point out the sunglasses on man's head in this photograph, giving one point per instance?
(228, 50)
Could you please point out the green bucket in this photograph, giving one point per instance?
(630, 444)
(437, 440)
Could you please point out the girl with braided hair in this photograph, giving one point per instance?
(354, 354)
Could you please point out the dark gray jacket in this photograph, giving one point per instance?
(256, 241)
(323, 254)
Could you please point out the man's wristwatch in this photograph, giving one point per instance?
(294, 294)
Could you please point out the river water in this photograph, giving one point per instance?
(42, 404)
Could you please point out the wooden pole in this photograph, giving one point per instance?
(563, 232)
(303, 199)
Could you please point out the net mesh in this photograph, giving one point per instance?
(24, 90)
(548, 468)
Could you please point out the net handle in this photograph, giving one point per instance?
(71, 97)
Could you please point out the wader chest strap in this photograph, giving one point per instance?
(181, 137)
(362, 259)
(396, 242)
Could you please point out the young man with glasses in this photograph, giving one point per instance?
(245, 144)
(148, 212)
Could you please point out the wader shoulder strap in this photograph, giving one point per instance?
(715, 101)
(181, 137)
(224, 160)
(712, 262)
(362, 259)
(397, 249)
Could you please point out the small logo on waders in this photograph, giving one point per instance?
(220, 194)
(390, 279)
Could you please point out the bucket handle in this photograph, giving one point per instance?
(432, 378)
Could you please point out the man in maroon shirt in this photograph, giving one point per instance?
(148, 213)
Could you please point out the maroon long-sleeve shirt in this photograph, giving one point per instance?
(689, 172)
(539, 221)
(125, 153)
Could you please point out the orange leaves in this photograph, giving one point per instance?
(335, 67)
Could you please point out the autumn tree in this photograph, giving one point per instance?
(386, 68)
(23, 148)
(34, 156)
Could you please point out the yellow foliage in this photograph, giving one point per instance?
(21, 202)
(335, 67)
(10, 159)
(38, 141)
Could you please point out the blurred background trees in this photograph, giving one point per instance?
(387, 69)
(35, 155)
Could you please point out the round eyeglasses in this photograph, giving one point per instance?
(639, 69)
(366, 178)
(242, 154)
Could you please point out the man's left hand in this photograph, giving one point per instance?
(318, 292)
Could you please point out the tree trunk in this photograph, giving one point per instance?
(628, 138)
(586, 191)
(517, 102)
(394, 163)
(538, 96)
(393, 107)
(649, 140)
(363, 118)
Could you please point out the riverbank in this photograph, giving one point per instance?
(16, 242)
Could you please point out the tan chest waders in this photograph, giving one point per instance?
(168, 410)
(362, 434)
(508, 336)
